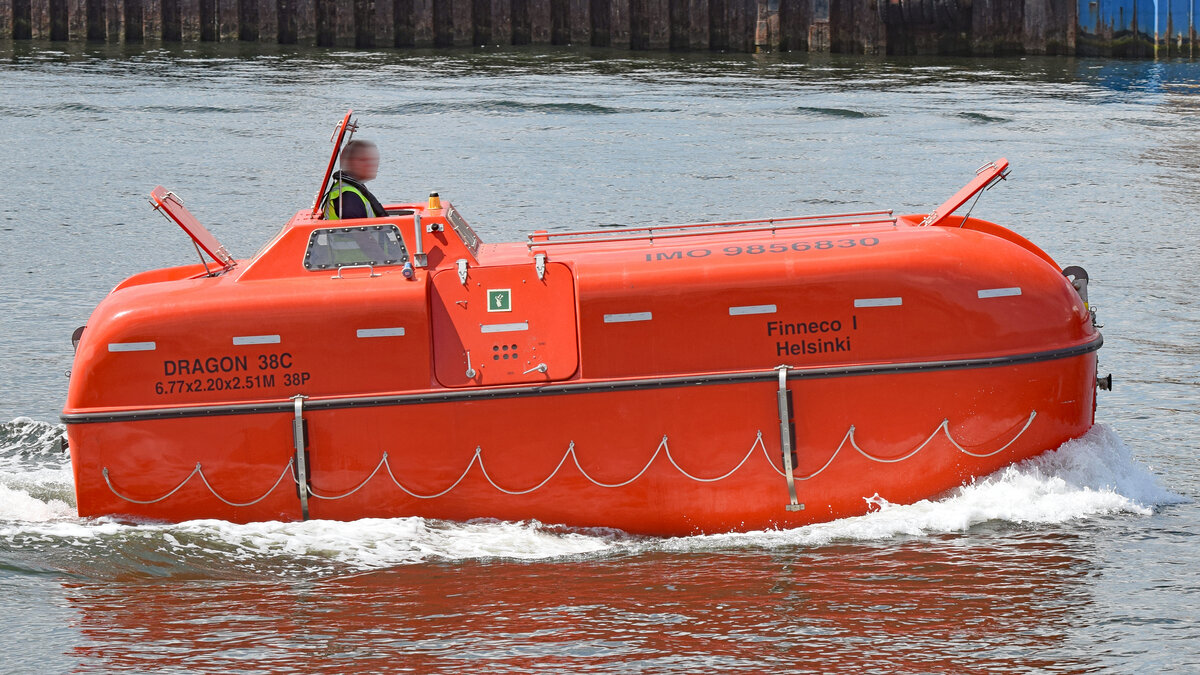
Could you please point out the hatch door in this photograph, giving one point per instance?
(172, 206)
(985, 177)
(504, 325)
(339, 135)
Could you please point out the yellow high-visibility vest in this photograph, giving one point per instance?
(338, 190)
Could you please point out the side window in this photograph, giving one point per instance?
(333, 247)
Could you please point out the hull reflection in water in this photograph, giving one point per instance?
(855, 608)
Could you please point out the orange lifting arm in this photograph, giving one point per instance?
(984, 178)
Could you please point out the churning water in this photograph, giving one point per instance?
(1081, 559)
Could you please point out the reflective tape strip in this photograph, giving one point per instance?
(131, 346)
(743, 310)
(256, 340)
(503, 327)
(626, 318)
(878, 302)
(999, 292)
(398, 331)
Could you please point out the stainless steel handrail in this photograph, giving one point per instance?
(720, 230)
(355, 267)
(725, 223)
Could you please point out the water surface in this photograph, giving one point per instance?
(1080, 560)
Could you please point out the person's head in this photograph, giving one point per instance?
(360, 159)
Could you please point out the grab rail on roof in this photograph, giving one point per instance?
(696, 229)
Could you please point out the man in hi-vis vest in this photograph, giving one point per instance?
(349, 196)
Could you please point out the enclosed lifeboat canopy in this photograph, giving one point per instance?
(753, 373)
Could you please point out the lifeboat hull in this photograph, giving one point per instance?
(657, 459)
(671, 381)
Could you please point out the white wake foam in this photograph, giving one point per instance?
(25, 442)
(374, 543)
(17, 503)
(1092, 476)
(35, 475)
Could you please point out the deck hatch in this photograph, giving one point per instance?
(172, 207)
(532, 340)
(463, 230)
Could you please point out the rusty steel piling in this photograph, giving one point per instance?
(968, 27)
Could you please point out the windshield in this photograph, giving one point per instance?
(333, 247)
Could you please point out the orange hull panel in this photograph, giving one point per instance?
(668, 461)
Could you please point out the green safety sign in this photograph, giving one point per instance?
(499, 300)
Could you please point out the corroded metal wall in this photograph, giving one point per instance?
(981, 27)
(1114, 27)
(721, 25)
(1138, 27)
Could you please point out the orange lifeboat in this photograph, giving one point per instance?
(668, 380)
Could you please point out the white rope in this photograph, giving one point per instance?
(314, 493)
(944, 427)
(571, 450)
(474, 458)
(482, 468)
(849, 435)
(151, 501)
(663, 447)
(1002, 448)
(286, 470)
(198, 471)
(757, 442)
(883, 460)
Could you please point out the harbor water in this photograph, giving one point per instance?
(1083, 559)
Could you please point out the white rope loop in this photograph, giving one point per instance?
(757, 442)
(149, 501)
(663, 447)
(474, 458)
(894, 460)
(286, 470)
(943, 428)
(382, 461)
(622, 483)
(483, 469)
(1002, 448)
(204, 479)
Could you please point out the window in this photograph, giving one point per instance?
(334, 247)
